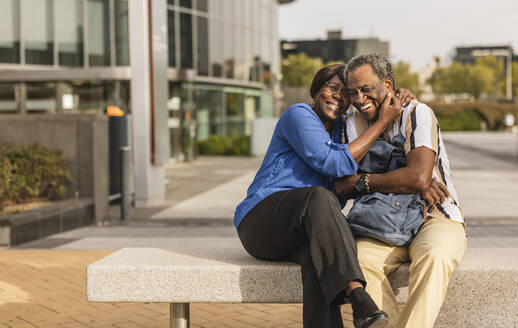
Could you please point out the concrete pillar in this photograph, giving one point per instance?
(149, 175)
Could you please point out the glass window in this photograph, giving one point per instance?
(122, 33)
(275, 60)
(254, 14)
(171, 38)
(186, 3)
(218, 121)
(216, 50)
(228, 49)
(96, 96)
(266, 58)
(98, 33)
(264, 17)
(201, 103)
(247, 5)
(255, 67)
(66, 102)
(239, 44)
(235, 118)
(37, 32)
(170, 2)
(7, 98)
(210, 113)
(203, 46)
(266, 107)
(251, 110)
(202, 5)
(10, 36)
(186, 40)
(227, 12)
(238, 12)
(246, 53)
(69, 32)
(41, 97)
(240, 68)
(124, 96)
(174, 122)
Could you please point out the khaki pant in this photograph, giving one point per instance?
(435, 251)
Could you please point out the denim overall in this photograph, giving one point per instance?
(394, 218)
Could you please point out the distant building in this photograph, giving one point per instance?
(334, 48)
(468, 55)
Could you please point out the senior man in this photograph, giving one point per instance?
(440, 243)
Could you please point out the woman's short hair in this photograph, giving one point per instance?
(325, 74)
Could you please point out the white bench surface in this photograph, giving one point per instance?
(484, 287)
(215, 270)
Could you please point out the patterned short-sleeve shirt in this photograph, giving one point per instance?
(420, 128)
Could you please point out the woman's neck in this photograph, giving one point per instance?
(329, 126)
(328, 123)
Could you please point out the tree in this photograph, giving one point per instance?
(405, 78)
(450, 79)
(496, 66)
(298, 70)
(515, 80)
(485, 76)
(481, 79)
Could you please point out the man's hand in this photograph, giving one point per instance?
(436, 194)
(404, 96)
(390, 109)
(344, 187)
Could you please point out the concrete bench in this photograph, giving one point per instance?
(483, 291)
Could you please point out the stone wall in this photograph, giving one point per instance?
(83, 139)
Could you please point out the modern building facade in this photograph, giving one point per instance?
(334, 48)
(219, 58)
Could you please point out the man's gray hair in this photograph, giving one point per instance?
(379, 63)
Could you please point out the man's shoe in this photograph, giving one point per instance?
(377, 320)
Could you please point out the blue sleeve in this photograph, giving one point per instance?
(303, 131)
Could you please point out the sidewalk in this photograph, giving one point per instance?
(42, 283)
(46, 289)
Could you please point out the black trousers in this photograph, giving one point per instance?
(306, 225)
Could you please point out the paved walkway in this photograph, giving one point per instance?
(42, 283)
(46, 288)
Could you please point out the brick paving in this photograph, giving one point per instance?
(47, 288)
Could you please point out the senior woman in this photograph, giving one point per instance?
(290, 211)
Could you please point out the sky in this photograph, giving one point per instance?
(416, 29)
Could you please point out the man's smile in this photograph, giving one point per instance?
(366, 107)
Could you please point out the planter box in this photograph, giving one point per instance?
(83, 139)
(50, 219)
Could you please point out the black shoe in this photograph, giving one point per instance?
(378, 319)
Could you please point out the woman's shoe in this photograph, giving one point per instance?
(378, 319)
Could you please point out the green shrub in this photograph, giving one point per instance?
(5, 179)
(223, 145)
(469, 115)
(36, 171)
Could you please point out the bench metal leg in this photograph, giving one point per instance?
(180, 315)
